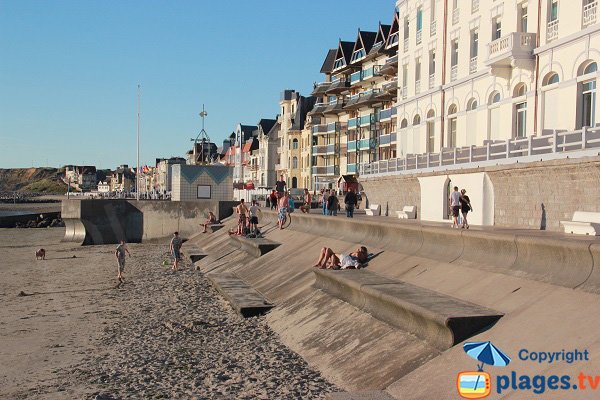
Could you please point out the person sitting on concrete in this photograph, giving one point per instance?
(212, 219)
(328, 259)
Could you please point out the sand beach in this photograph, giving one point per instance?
(68, 332)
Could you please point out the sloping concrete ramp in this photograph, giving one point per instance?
(439, 319)
(247, 301)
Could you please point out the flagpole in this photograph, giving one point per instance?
(137, 171)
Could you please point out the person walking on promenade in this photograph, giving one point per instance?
(120, 254)
(324, 197)
(175, 250)
(454, 201)
(305, 208)
(350, 200)
(280, 186)
(465, 207)
(332, 204)
(282, 207)
(242, 211)
(273, 197)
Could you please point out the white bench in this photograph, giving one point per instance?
(408, 212)
(374, 209)
(583, 223)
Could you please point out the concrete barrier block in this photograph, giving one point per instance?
(497, 251)
(254, 247)
(441, 243)
(247, 301)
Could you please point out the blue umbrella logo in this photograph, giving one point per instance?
(486, 353)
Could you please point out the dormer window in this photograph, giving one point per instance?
(393, 39)
(339, 63)
(357, 55)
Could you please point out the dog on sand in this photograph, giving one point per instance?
(40, 254)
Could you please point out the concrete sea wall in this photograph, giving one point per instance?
(534, 195)
(108, 221)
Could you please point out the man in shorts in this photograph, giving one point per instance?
(242, 212)
(283, 204)
(120, 254)
(454, 202)
(253, 216)
(175, 250)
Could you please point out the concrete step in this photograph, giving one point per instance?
(255, 247)
(439, 319)
(246, 300)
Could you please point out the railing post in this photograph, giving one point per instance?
(428, 157)
(507, 148)
(488, 150)
(529, 144)
(454, 161)
(406, 162)
(555, 138)
(583, 137)
(471, 153)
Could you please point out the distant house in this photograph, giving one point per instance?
(104, 187)
(122, 180)
(164, 173)
(81, 177)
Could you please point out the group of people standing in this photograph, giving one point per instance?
(459, 203)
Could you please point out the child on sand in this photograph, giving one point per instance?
(175, 249)
(120, 254)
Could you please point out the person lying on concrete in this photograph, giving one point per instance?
(328, 259)
(212, 219)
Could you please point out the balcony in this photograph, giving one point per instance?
(351, 168)
(516, 47)
(364, 144)
(362, 99)
(552, 30)
(319, 108)
(473, 65)
(334, 107)
(331, 170)
(453, 72)
(390, 67)
(355, 77)
(589, 14)
(431, 81)
(319, 129)
(432, 28)
(365, 120)
(320, 88)
(324, 149)
(385, 114)
(388, 139)
(405, 45)
(333, 127)
(417, 86)
(390, 87)
(351, 145)
(455, 16)
(371, 72)
(338, 86)
(404, 92)
(279, 167)
(352, 123)
(419, 37)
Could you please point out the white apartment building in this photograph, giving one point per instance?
(485, 73)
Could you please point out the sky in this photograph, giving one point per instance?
(69, 71)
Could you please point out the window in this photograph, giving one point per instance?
(553, 14)
(419, 19)
(403, 124)
(432, 11)
(520, 90)
(357, 55)
(550, 79)
(494, 98)
(417, 73)
(339, 63)
(416, 120)
(452, 126)
(295, 144)
(406, 28)
(523, 18)
(295, 162)
(454, 53)
(496, 29)
(474, 43)
(430, 131)
(587, 103)
(472, 105)
(432, 62)
(521, 119)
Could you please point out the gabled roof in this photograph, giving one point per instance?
(364, 41)
(382, 33)
(266, 124)
(303, 106)
(274, 131)
(329, 60)
(394, 28)
(344, 51)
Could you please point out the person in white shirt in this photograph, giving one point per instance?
(253, 216)
(454, 202)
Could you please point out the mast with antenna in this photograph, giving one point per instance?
(137, 172)
(205, 140)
